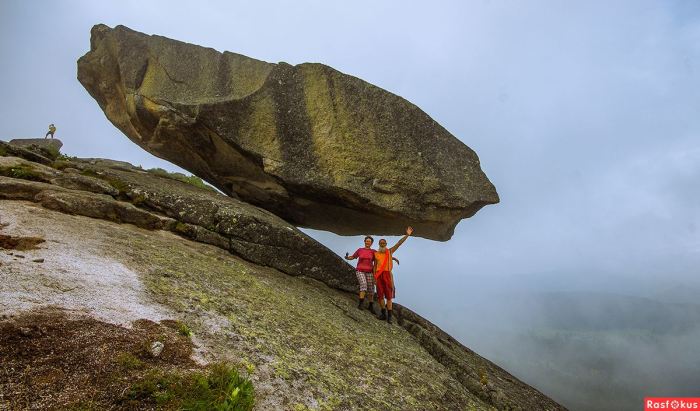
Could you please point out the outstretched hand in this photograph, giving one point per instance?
(409, 230)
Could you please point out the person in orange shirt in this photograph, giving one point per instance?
(383, 263)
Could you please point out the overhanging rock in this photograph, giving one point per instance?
(317, 147)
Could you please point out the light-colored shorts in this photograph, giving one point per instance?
(366, 281)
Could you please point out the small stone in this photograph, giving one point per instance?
(156, 348)
(25, 331)
(19, 256)
(38, 260)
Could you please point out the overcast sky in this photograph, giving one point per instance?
(585, 116)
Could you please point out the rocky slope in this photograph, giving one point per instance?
(317, 147)
(123, 245)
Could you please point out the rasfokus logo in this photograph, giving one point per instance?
(671, 403)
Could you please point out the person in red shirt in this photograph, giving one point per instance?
(382, 274)
(365, 272)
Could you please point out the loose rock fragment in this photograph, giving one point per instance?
(156, 348)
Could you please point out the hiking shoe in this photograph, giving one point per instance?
(382, 316)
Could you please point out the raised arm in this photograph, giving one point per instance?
(409, 231)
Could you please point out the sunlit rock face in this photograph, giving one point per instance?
(317, 147)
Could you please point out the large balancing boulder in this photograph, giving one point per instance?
(317, 147)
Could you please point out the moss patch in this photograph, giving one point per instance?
(129, 361)
(53, 360)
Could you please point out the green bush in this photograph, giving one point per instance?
(221, 389)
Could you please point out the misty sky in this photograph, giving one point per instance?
(585, 116)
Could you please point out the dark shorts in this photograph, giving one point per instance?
(385, 288)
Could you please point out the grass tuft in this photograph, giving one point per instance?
(183, 329)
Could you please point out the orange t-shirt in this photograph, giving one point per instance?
(384, 262)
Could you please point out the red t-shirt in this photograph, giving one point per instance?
(366, 257)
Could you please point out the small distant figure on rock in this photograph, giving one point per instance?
(52, 130)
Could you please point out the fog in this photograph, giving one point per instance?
(584, 116)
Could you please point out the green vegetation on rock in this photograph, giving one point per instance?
(306, 339)
(120, 185)
(193, 180)
(129, 361)
(183, 329)
(52, 152)
(24, 172)
(64, 161)
(220, 389)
